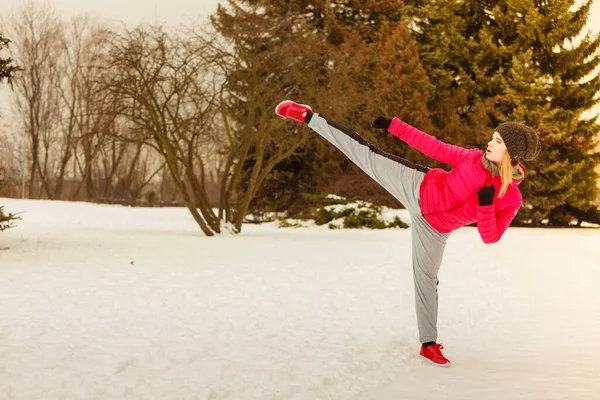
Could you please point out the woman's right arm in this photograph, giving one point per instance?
(427, 144)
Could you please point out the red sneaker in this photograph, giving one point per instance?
(289, 109)
(434, 356)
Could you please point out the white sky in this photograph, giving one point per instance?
(132, 12)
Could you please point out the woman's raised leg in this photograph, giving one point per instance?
(398, 176)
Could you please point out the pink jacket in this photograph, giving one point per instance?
(449, 199)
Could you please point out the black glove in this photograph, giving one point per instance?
(382, 122)
(486, 195)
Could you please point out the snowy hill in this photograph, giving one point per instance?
(110, 302)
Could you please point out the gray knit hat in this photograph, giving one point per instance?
(521, 141)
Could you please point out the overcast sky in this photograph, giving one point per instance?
(132, 12)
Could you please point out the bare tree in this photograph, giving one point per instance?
(260, 67)
(89, 110)
(174, 88)
(256, 140)
(76, 50)
(164, 87)
(36, 30)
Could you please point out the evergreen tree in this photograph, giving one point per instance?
(269, 67)
(6, 220)
(565, 171)
(361, 61)
(520, 61)
(7, 71)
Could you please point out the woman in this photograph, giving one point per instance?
(481, 188)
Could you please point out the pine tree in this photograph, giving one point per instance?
(569, 155)
(461, 67)
(7, 220)
(370, 79)
(519, 61)
(361, 62)
(269, 67)
(7, 71)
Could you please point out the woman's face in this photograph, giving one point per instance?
(496, 149)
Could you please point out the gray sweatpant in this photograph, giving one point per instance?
(402, 179)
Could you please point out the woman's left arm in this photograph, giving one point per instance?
(491, 224)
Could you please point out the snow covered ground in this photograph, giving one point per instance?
(110, 302)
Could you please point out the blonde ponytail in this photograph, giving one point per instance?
(506, 174)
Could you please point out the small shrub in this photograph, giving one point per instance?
(151, 197)
(346, 212)
(324, 216)
(287, 224)
(364, 219)
(398, 223)
(7, 221)
(339, 213)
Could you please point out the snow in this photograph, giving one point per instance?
(111, 302)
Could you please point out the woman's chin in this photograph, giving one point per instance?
(491, 159)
